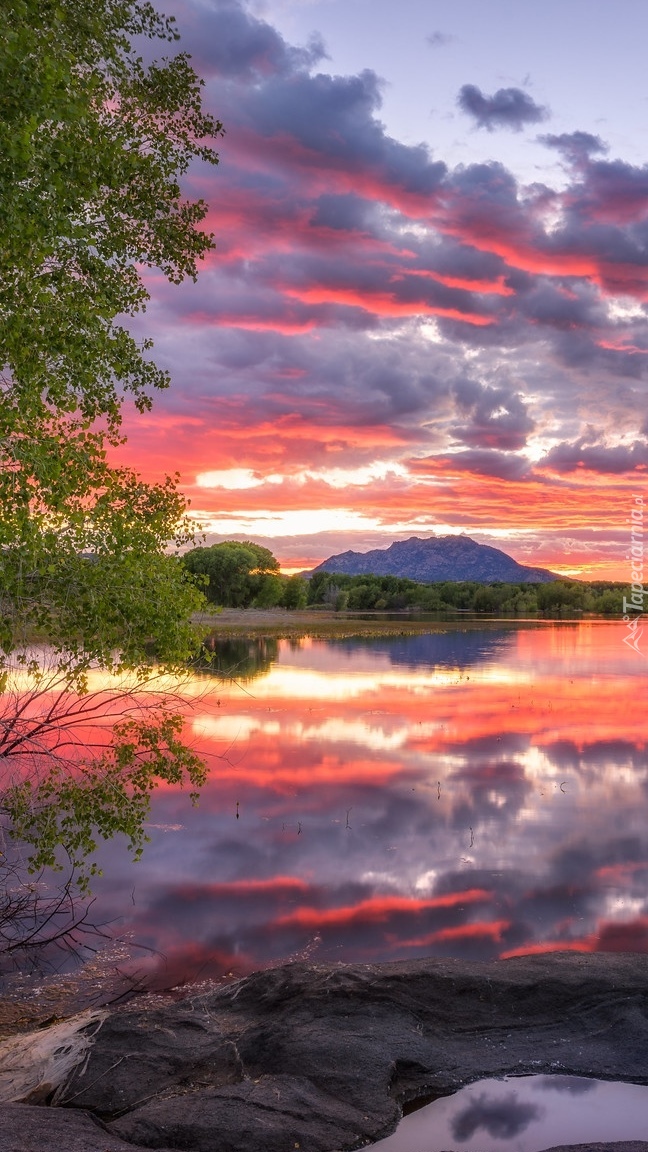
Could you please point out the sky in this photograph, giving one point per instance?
(425, 313)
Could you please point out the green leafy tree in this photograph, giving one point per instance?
(93, 148)
(239, 574)
(295, 592)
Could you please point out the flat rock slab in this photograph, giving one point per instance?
(25, 1128)
(616, 1146)
(321, 1057)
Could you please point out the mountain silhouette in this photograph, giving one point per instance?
(438, 558)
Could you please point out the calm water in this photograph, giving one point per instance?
(479, 792)
(525, 1114)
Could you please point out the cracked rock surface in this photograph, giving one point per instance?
(321, 1057)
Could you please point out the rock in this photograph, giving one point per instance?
(25, 1128)
(322, 1057)
(616, 1146)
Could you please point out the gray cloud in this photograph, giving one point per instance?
(498, 418)
(225, 40)
(597, 457)
(489, 462)
(506, 108)
(575, 146)
(503, 1118)
(314, 197)
(439, 39)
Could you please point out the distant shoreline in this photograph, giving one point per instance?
(323, 622)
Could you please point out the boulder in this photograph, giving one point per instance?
(322, 1057)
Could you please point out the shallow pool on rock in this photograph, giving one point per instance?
(524, 1114)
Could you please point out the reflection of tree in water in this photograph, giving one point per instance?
(500, 1118)
(453, 649)
(238, 658)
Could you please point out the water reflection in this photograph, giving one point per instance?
(503, 1118)
(384, 800)
(525, 1114)
(460, 647)
(238, 657)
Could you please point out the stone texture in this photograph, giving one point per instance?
(322, 1057)
(25, 1128)
(616, 1146)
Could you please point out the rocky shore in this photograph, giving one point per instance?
(316, 1057)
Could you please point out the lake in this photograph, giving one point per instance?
(476, 792)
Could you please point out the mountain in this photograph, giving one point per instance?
(439, 558)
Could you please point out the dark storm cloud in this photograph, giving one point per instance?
(506, 108)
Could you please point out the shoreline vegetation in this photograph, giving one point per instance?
(243, 575)
(284, 623)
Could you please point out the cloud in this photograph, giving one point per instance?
(506, 108)
(500, 1118)
(498, 419)
(439, 39)
(225, 40)
(367, 302)
(479, 461)
(598, 457)
(575, 146)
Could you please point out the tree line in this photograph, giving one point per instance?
(394, 593)
(241, 574)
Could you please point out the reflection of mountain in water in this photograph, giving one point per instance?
(452, 649)
(238, 658)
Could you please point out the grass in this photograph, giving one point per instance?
(283, 623)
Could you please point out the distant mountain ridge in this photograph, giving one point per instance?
(438, 558)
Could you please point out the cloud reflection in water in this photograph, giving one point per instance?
(392, 803)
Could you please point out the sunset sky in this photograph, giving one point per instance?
(426, 309)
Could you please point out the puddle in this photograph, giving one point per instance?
(524, 1114)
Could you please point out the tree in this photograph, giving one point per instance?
(295, 592)
(93, 146)
(238, 574)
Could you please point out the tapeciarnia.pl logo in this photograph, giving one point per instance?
(635, 604)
